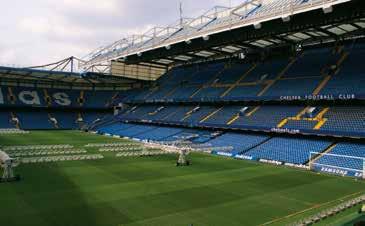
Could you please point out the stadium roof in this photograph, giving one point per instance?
(48, 76)
(224, 31)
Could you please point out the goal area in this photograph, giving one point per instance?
(343, 165)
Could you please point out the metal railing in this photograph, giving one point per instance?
(164, 37)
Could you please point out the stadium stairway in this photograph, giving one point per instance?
(196, 92)
(317, 157)
(81, 99)
(253, 111)
(262, 142)
(47, 98)
(233, 119)
(281, 74)
(211, 115)
(11, 96)
(328, 77)
(113, 99)
(345, 156)
(298, 117)
(5, 120)
(318, 119)
(321, 120)
(238, 81)
(53, 120)
(322, 85)
(15, 120)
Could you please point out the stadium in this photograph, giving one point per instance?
(252, 114)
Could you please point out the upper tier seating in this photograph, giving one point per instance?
(267, 70)
(313, 63)
(209, 93)
(232, 73)
(350, 78)
(246, 92)
(61, 98)
(183, 92)
(293, 87)
(310, 73)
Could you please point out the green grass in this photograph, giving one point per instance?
(347, 217)
(151, 191)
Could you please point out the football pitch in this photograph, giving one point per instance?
(151, 191)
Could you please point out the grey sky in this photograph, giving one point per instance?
(41, 31)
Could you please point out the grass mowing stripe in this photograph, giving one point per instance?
(316, 207)
(152, 191)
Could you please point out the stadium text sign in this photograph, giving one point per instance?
(244, 157)
(224, 154)
(29, 97)
(341, 172)
(320, 97)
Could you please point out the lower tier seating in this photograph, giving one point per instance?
(336, 158)
(66, 120)
(5, 120)
(291, 150)
(239, 142)
(34, 120)
(297, 151)
(43, 120)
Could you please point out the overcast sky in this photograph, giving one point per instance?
(37, 32)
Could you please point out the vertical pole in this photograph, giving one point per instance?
(181, 14)
(310, 160)
(363, 169)
(72, 64)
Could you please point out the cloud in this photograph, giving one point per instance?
(95, 6)
(42, 31)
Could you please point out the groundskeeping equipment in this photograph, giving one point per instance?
(183, 158)
(8, 164)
